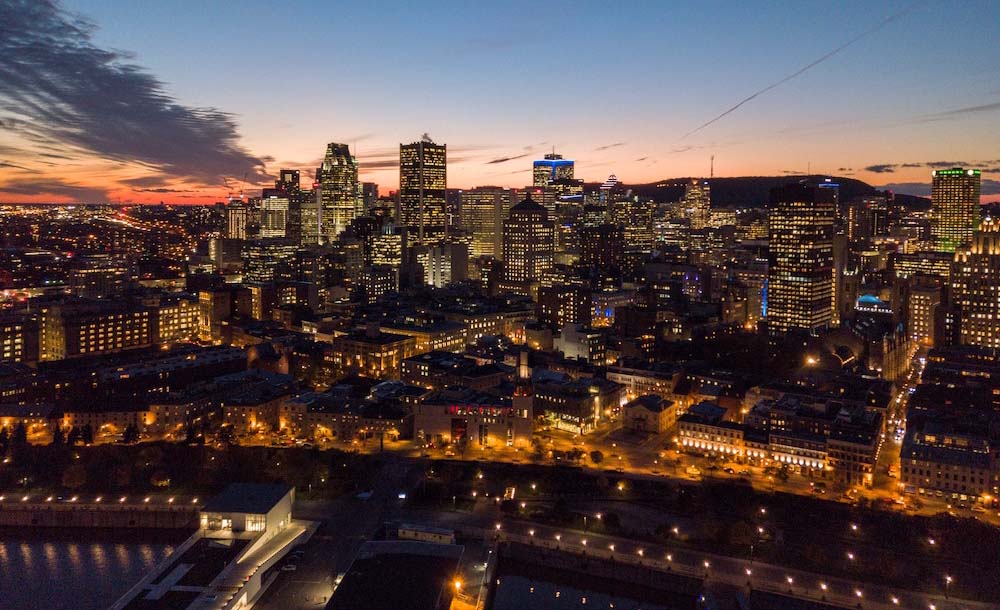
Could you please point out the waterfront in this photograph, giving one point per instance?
(78, 569)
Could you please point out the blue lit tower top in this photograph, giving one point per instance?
(553, 167)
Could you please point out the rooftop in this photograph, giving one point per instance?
(252, 498)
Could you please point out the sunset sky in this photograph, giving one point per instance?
(175, 100)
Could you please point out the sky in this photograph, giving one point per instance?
(178, 100)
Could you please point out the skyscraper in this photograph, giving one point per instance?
(273, 214)
(975, 283)
(800, 284)
(237, 216)
(697, 203)
(483, 212)
(339, 190)
(288, 183)
(528, 246)
(954, 207)
(423, 180)
(550, 169)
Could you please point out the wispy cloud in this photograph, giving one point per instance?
(607, 146)
(883, 168)
(506, 159)
(79, 96)
(803, 69)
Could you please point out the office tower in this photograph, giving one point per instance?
(311, 217)
(551, 169)
(975, 284)
(261, 258)
(237, 217)
(800, 290)
(602, 247)
(954, 207)
(483, 212)
(388, 247)
(423, 182)
(273, 214)
(926, 294)
(369, 196)
(544, 197)
(288, 184)
(528, 246)
(697, 203)
(339, 191)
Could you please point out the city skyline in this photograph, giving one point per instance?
(886, 96)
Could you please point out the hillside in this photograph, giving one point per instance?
(754, 191)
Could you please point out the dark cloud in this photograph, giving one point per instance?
(944, 164)
(163, 190)
(607, 146)
(640, 159)
(506, 159)
(13, 166)
(912, 165)
(990, 187)
(845, 169)
(883, 168)
(145, 181)
(56, 188)
(81, 96)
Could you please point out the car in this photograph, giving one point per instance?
(745, 472)
(728, 470)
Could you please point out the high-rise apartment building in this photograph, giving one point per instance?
(339, 191)
(955, 208)
(800, 286)
(423, 182)
(528, 246)
(975, 284)
(697, 203)
(483, 212)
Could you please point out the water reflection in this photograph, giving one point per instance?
(92, 574)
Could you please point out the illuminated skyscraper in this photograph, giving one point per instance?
(273, 214)
(528, 246)
(339, 191)
(550, 169)
(975, 283)
(954, 207)
(423, 180)
(237, 216)
(800, 285)
(483, 212)
(697, 203)
(288, 184)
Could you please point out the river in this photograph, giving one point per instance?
(76, 569)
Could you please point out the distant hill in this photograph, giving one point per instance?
(754, 191)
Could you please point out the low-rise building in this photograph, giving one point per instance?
(650, 414)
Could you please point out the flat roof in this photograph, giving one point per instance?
(253, 498)
(411, 575)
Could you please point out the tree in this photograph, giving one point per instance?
(596, 456)
(20, 437)
(87, 434)
(74, 436)
(58, 438)
(4, 441)
(131, 434)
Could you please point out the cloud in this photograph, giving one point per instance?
(80, 96)
(163, 190)
(945, 164)
(806, 68)
(506, 159)
(607, 146)
(640, 159)
(967, 110)
(56, 188)
(882, 168)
